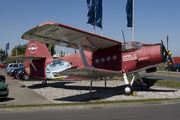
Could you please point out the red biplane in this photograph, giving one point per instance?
(98, 57)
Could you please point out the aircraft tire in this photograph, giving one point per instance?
(128, 89)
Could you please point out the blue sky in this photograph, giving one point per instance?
(154, 19)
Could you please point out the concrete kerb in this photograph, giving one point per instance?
(92, 106)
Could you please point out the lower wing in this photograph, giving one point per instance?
(89, 72)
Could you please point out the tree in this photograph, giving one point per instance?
(52, 48)
(3, 57)
(62, 54)
(19, 50)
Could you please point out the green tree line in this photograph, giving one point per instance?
(20, 50)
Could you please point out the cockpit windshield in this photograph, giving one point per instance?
(131, 46)
(57, 62)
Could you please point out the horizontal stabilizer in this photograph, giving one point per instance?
(24, 58)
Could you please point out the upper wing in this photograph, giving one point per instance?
(63, 35)
(89, 72)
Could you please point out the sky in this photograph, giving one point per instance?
(154, 19)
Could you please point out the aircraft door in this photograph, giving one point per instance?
(148, 52)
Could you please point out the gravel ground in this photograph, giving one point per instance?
(78, 91)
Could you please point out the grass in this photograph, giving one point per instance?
(91, 103)
(167, 73)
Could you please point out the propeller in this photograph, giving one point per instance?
(168, 53)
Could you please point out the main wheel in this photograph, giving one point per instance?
(128, 89)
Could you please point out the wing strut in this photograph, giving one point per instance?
(78, 42)
(30, 60)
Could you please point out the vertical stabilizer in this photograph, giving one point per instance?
(36, 66)
(37, 49)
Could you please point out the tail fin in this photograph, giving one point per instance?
(37, 49)
(36, 66)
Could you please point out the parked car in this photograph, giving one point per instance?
(14, 71)
(3, 65)
(21, 74)
(11, 66)
(4, 91)
(174, 67)
(2, 79)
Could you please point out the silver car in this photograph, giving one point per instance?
(11, 66)
(55, 67)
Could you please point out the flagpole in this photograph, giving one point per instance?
(102, 21)
(94, 29)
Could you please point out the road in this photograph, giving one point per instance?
(160, 77)
(116, 112)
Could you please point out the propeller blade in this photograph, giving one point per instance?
(171, 60)
(162, 42)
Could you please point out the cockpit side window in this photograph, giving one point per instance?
(131, 46)
(135, 46)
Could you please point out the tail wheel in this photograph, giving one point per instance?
(44, 83)
(128, 89)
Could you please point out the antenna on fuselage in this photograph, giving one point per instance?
(123, 36)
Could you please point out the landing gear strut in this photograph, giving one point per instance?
(128, 88)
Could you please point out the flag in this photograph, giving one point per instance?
(95, 12)
(7, 46)
(129, 12)
(91, 12)
(99, 13)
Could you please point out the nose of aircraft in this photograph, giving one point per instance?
(163, 53)
(166, 53)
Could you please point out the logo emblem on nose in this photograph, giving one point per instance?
(32, 48)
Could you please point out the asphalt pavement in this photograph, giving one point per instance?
(19, 94)
(160, 76)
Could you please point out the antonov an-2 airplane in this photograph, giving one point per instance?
(98, 57)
